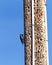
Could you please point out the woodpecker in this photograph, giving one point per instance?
(22, 38)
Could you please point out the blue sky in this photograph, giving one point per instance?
(11, 25)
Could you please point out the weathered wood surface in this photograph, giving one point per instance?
(40, 32)
(40, 28)
(27, 32)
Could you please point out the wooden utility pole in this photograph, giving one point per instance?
(35, 32)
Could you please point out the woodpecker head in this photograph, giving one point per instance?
(22, 38)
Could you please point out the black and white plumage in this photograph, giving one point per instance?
(22, 38)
